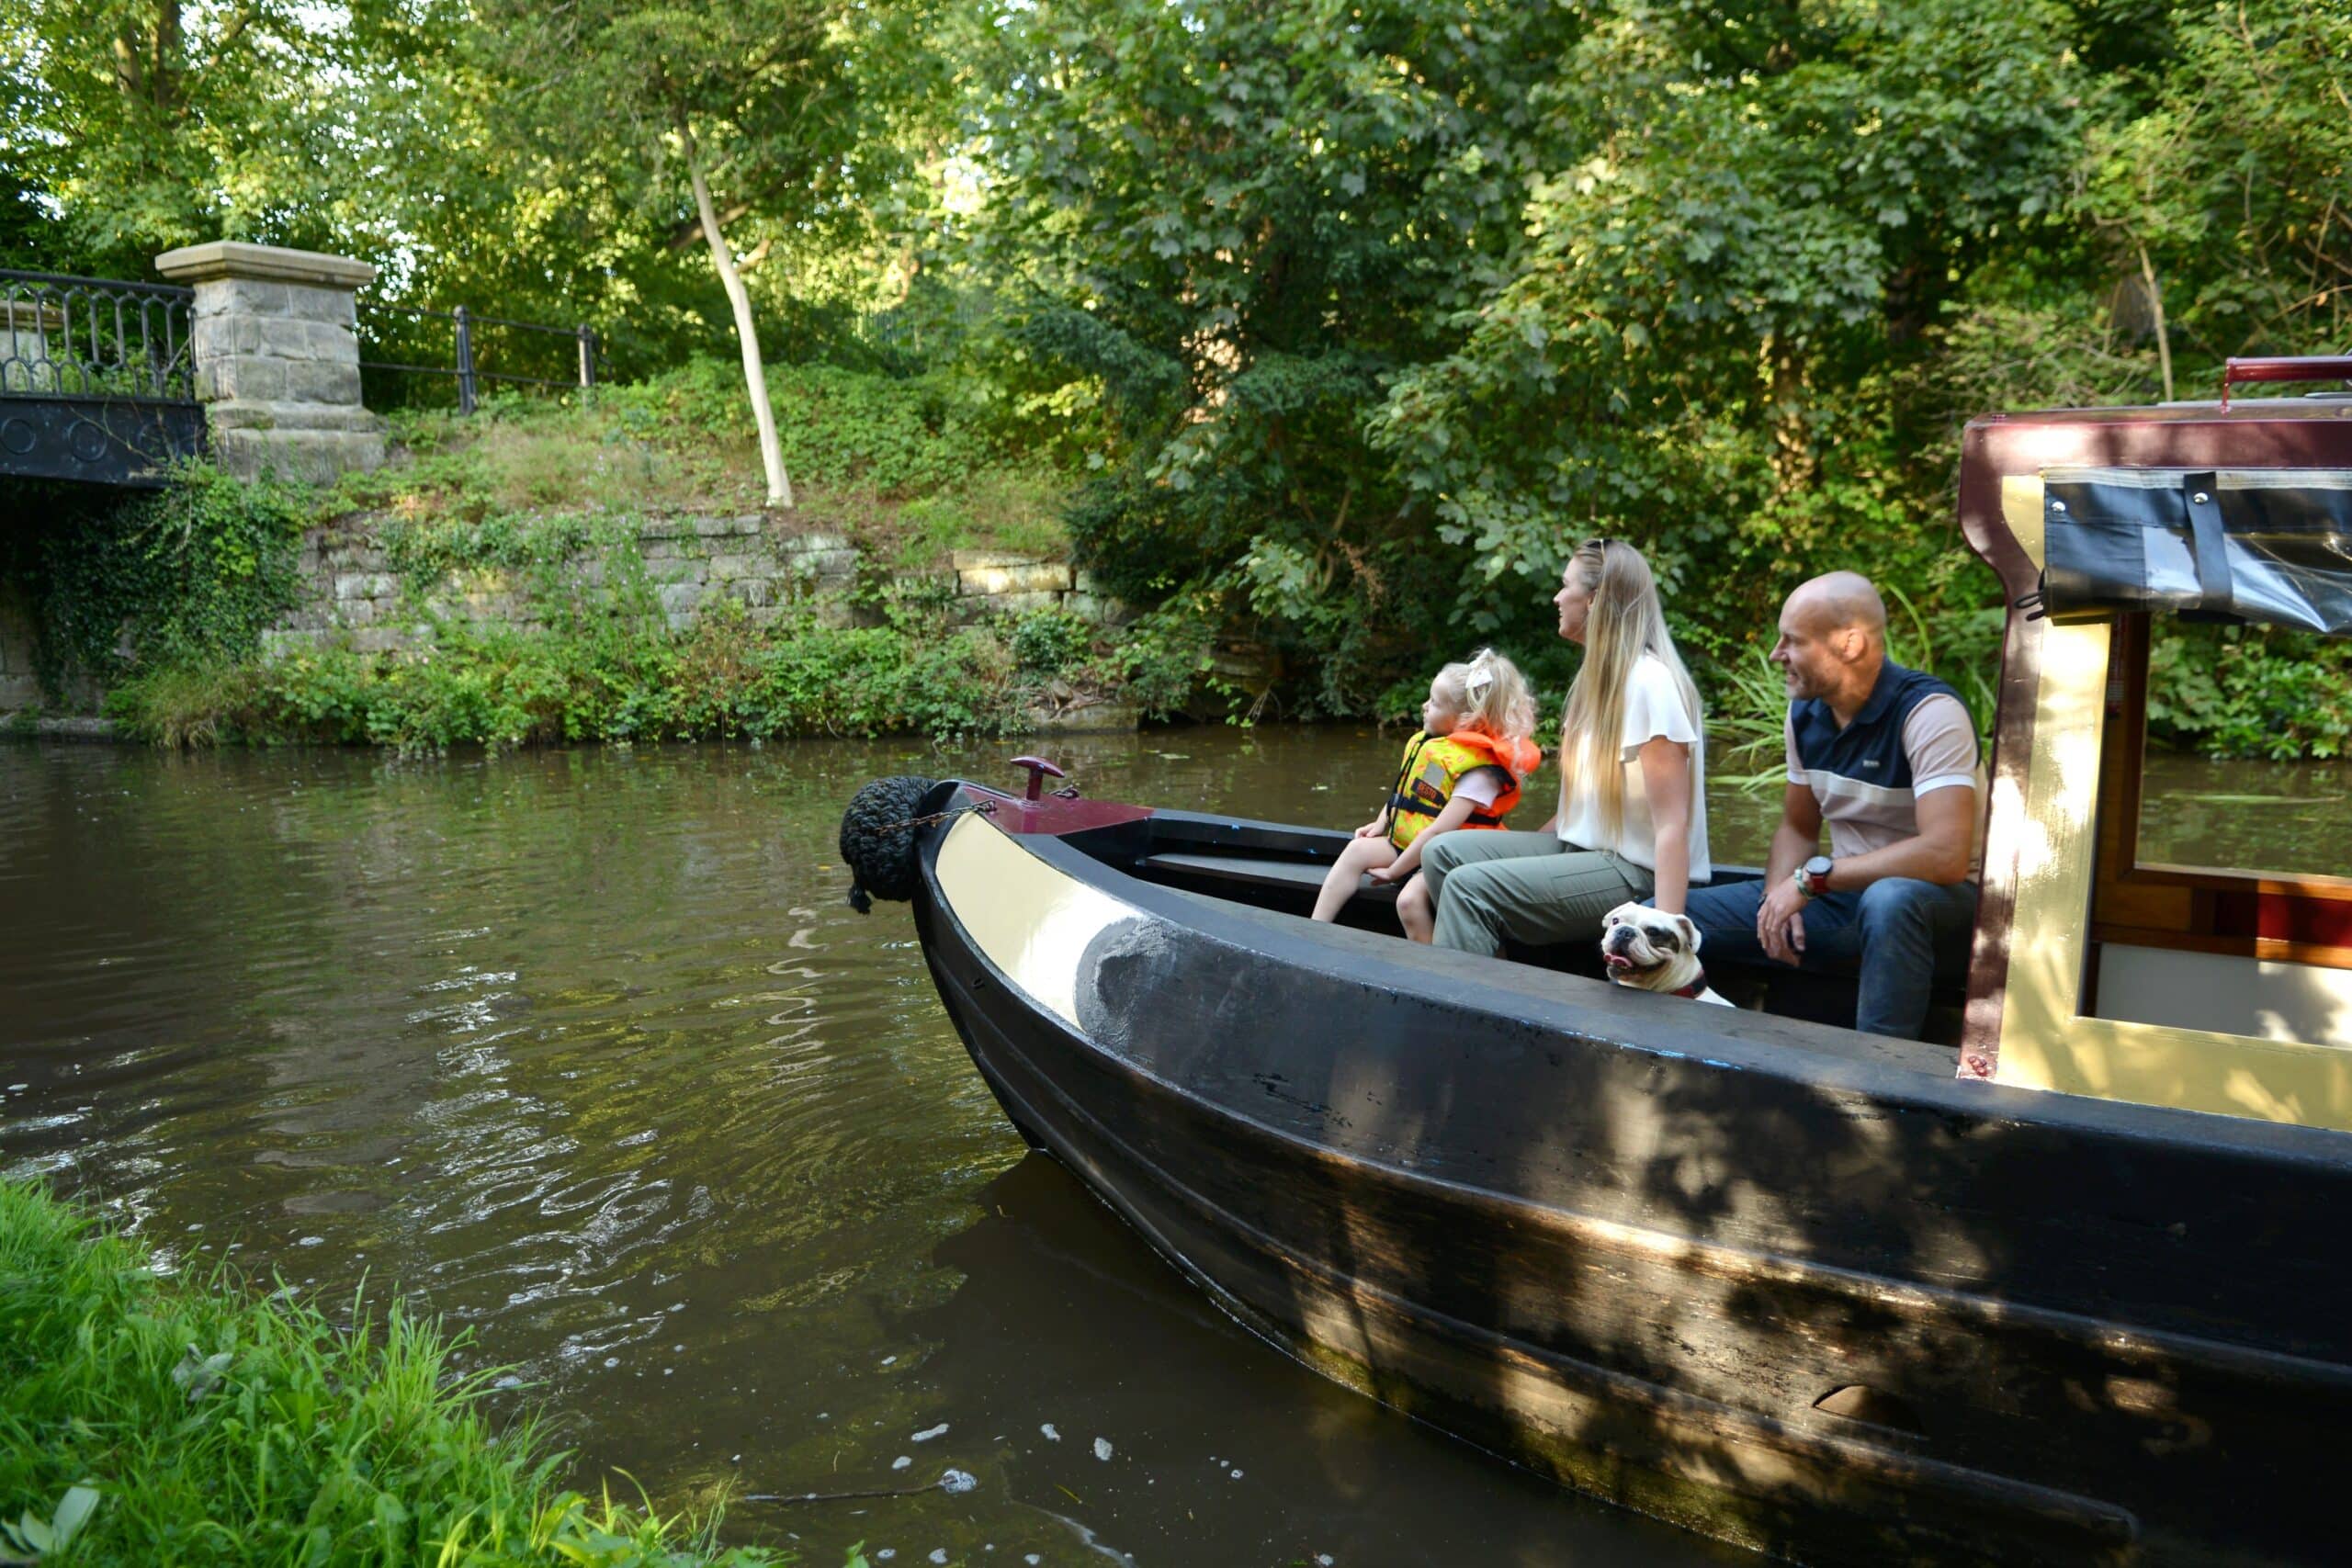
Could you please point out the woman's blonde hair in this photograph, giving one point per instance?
(1625, 622)
(1490, 695)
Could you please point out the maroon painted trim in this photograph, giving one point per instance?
(1052, 816)
(2282, 917)
(2309, 367)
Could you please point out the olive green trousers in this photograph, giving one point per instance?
(1529, 888)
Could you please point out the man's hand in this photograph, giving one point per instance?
(1780, 921)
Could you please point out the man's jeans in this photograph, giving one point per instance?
(1897, 932)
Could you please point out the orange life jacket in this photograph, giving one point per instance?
(1434, 763)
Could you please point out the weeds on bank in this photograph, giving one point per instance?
(145, 1419)
(601, 678)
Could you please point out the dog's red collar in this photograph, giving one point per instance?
(1696, 988)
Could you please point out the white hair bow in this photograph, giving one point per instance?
(1481, 676)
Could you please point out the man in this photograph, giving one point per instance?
(1887, 757)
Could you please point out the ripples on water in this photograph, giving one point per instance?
(584, 1050)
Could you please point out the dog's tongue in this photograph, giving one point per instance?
(1618, 961)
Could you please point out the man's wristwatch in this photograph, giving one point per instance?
(1813, 876)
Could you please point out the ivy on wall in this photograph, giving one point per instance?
(189, 574)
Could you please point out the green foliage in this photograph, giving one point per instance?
(2237, 692)
(1169, 655)
(1236, 221)
(1725, 282)
(152, 1420)
(1691, 350)
(598, 679)
(191, 574)
(1335, 323)
(1049, 641)
(133, 126)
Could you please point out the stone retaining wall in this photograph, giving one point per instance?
(691, 563)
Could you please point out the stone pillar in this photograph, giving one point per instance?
(277, 362)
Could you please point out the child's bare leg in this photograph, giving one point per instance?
(1347, 874)
(1414, 911)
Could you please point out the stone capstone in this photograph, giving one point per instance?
(1035, 577)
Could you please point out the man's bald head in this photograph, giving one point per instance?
(1832, 639)
(1839, 601)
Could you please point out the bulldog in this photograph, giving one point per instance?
(1651, 951)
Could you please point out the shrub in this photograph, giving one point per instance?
(1049, 641)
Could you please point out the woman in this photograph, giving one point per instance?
(1632, 816)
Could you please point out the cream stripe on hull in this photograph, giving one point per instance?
(1033, 922)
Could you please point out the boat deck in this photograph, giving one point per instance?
(1260, 871)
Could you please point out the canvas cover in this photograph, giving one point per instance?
(2267, 546)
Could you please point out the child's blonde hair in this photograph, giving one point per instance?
(1490, 694)
(1626, 621)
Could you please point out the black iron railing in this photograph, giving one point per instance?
(92, 337)
(469, 334)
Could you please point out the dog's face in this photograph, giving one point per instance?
(1646, 948)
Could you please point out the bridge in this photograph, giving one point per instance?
(97, 379)
(248, 354)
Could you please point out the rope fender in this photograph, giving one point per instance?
(878, 840)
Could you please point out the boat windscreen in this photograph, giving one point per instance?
(2271, 545)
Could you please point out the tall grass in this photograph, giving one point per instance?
(147, 1420)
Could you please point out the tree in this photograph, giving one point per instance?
(710, 117)
(129, 127)
(1241, 217)
(1767, 212)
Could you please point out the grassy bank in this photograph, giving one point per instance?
(147, 1419)
(165, 599)
(915, 467)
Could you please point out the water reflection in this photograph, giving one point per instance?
(584, 1050)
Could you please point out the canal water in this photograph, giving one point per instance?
(583, 1051)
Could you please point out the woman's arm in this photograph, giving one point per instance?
(1457, 811)
(1666, 782)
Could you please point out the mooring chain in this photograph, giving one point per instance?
(985, 807)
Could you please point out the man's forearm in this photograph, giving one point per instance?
(1790, 849)
(1923, 858)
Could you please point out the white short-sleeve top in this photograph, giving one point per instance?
(1654, 707)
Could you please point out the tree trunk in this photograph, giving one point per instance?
(730, 278)
(1794, 463)
(2156, 308)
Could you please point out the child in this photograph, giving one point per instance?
(1463, 769)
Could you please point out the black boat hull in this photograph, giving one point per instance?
(1700, 1262)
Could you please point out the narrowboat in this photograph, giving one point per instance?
(2069, 1281)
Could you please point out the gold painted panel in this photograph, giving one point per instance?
(2046, 1042)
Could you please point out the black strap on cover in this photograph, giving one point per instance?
(2262, 546)
(2201, 492)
